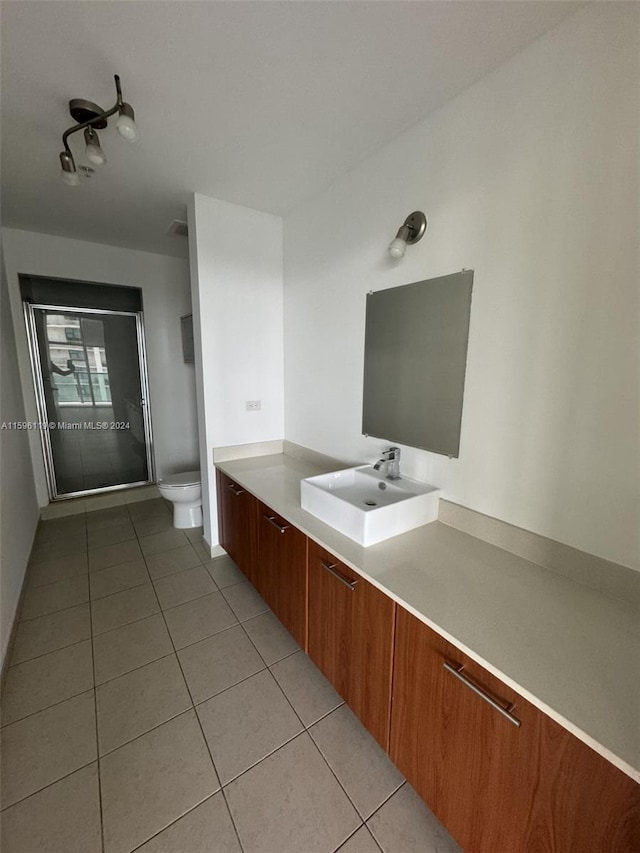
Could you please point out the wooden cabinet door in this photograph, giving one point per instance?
(237, 510)
(225, 522)
(497, 786)
(351, 638)
(281, 571)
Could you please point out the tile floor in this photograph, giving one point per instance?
(155, 704)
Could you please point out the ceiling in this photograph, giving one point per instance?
(259, 103)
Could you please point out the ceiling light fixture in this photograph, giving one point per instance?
(411, 230)
(94, 152)
(69, 173)
(90, 118)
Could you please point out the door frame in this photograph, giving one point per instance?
(29, 309)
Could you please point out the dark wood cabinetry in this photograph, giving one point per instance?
(281, 571)
(351, 638)
(237, 515)
(502, 776)
(499, 787)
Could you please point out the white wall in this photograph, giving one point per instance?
(166, 296)
(236, 274)
(19, 511)
(530, 178)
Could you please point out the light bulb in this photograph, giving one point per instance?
(94, 152)
(95, 155)
(71, 179)
(397, 248)
(126, 124)
(69, 175)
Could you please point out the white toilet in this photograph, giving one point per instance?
(185, 493)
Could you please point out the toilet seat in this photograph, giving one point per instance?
(184, 491)
(179, 481)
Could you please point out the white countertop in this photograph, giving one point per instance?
(568, 649)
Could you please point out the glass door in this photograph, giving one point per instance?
(90, 376)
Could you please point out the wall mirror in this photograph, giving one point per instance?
(415, 357)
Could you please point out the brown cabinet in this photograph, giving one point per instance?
(237, 512)
(499, 774)
(281, 571)
(351, 638)
(499, 787)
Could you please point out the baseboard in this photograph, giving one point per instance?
(16, 617)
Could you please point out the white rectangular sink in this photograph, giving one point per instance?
(367, 507)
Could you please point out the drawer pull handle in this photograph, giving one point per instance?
(331, 568)
(456, 669)
(272, 520)
(234, 490)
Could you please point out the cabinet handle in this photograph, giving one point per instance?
(234, 490)
(331, 568)
(272, 520)
(456, 669)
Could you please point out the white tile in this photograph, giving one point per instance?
(51, 632)
(290, 803)
(218, 662)
(52, 597)
(63, 818)
(124, 607)
(103, 518)
(148, 508)
(224, 572)
(111, 535)
(311, 695)
(50, 571)
(404, 824)
(153, 780)
(129, 647)
(143, 494)
(244, 724)
(362, 767)
(194, 832)
(195, 620)
(46, 746)
(244, 601)
(64, 546)
(165, 541)
(172, 561)
(360, 842)
(194, 534)
(155, 524)
(113, 555)
(42, 682)
(118, 578)
(132, 704)
(270, 637)
(60, 528)
(184, 586)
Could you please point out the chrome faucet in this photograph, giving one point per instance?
(390, 458)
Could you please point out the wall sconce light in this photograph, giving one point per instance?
(412, 230)
(91, 118)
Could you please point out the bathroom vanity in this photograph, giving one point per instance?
(500, 689)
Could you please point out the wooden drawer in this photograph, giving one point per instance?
(351, 638)
(237, 512)
(281, 571)
(499, 787)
